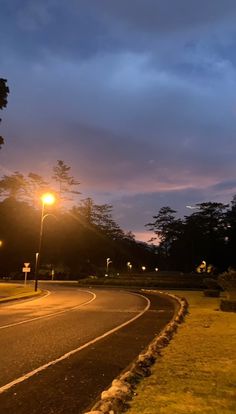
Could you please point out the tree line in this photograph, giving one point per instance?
(77, 240)
(208, 234)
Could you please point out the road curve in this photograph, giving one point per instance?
(59, 352)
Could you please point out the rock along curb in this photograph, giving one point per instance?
(115, 399)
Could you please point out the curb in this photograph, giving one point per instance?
(115, 399)
(15, 298)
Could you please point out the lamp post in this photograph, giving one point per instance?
(47, 199)
(108, 262)
(129, 266)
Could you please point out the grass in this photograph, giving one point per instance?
(161, 280)
(12, 291)
(197, 371)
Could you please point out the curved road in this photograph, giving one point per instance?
(58, 352)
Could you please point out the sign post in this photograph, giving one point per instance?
(26, 269)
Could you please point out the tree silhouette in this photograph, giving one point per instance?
(67, 183)
(4, 91)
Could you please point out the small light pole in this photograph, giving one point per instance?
(47, 199)
(129, 266)
(109, 261)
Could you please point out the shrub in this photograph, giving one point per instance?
(213, 293)
(227, 281)
(211, 284)
(228, 305)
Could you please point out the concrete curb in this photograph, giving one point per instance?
(27, 296)
(115, 399)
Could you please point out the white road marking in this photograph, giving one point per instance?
(49, 315)
(74, 351)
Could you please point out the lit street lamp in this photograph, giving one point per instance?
(129, 266)
(47, 199)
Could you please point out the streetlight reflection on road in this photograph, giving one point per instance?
(47, 199)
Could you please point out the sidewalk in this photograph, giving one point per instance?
(197, 371)
(16, 291)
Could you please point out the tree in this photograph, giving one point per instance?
(86, 210)
(66, 182)
(36, 186)
(4, 91)
(168, 230)
(102, 216)
(166, 227)
(14, 186)
(99, 216)
(19, 233)
(207, 228)
(231, 232)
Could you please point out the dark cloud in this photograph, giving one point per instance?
(166, 16)
(80, 28)
(225, 185)
(139, 97)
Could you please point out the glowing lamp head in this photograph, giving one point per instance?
(48, 198)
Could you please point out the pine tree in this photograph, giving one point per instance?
(66, 182)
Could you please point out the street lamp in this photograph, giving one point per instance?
(108, 262)
(129, 266)
(47, 199)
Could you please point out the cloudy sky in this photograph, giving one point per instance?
(137, 96)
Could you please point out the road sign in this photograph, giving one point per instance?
(26, 269)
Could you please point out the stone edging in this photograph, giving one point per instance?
(23, 297)
(115, 399)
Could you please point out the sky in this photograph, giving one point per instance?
(137, 96)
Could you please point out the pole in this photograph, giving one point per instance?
(25, 277)
(37, 262)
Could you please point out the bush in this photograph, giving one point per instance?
(213, 293)
(211, 284)
(212, 288)
(228, 305)
(227, 281)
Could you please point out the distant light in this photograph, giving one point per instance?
(48, 198)
(143, 268)
(1, 243)
(156, 269)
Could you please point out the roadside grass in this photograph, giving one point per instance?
(12, 291)
(160, 280)
(196, 372)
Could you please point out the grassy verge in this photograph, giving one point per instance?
(13, 291)
(160, 280)
(197, 371)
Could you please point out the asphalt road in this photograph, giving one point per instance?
(60, 351)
